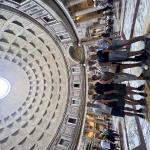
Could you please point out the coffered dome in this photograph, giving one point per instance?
(33, 64)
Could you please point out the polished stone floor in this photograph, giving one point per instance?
(133, 21)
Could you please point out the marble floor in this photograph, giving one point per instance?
(134, 19)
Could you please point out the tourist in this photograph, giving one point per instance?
(109, 77)
(113, 67)
(119, 56)
(114, 99)
(108, 135)
(108, 145)
(119, 111)
(120, 89)
(110, 132)
(114, 44)
(101, 67)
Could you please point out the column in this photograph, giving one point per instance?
(79, 7)
(86, 11)
(87, 17)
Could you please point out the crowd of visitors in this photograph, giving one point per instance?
(108, 138)
(105, 83)
(108, 92)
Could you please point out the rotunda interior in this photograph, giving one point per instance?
(34, 84)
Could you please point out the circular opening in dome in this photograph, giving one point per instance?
(4, 87)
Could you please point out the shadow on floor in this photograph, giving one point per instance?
(147, 47)
(147, 90)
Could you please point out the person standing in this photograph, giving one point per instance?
(99, 109)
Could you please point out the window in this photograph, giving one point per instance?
(48, 19)
(64, 142)
(64, 36)
(72, 120)
(75, 102)
(76, 85)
